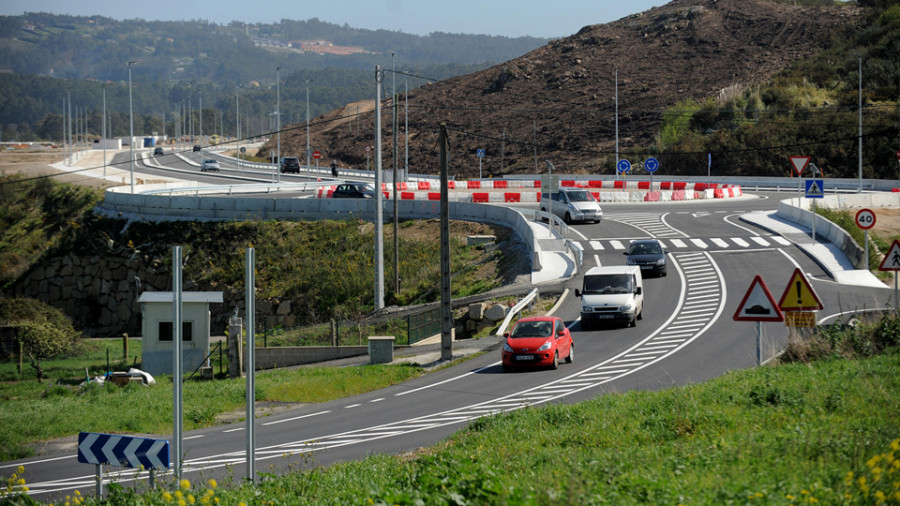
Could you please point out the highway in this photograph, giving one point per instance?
(687, 335)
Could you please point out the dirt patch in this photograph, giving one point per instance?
(36, 162)
(887, 222)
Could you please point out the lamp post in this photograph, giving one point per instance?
(104, 132)
(237, 105)
(859, 190)
(131, 123)
(278, 120)
(307, 122)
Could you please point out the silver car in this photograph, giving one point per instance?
(572, 204)
(209, 164)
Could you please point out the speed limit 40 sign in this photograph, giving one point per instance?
(865, 219)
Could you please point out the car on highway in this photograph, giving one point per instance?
(649, 255)
(197, 147)
(353, 191)
(209, 164)
(537, 341)
(158, 151)
(290, 164)
(572, 204)
(611, 293)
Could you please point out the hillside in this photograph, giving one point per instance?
(557, 102)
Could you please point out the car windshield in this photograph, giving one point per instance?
(646, 248)
(533, 329)
(580, 196)
(209, 161)
(608, 283)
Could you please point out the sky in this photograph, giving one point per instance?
(510, 18)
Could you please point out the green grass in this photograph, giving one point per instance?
(34, 412)
(824, 432)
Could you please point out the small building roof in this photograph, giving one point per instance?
(209, 297)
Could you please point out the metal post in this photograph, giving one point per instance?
(131, 123)
(177, 360)
(99, 474)
(814, 220)
(71, 147)
(278, 120)
(406, 135)
(104, 132)
(379, 197)
(250, 304)
(616, 163)
(867, 248)
(307, 123)
(758, 343)
(200, 116)
(896, 304)
(446, 303)
(859, 190)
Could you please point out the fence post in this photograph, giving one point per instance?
(334, 339)
(125, 347)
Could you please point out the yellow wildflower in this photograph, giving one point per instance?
(879, 496)
(184, 484)
(21, 469)
(212, 483)
(190, 499)
(895, 445)
(167, 496)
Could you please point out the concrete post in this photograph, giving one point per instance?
(381, 349)
(235, 358)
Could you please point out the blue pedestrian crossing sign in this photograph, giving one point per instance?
(815, 188)
(480, 153)
(623, 166)
(651, 165)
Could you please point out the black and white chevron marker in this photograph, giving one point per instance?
(123, 451)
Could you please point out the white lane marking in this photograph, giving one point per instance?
(297, 418)
(617, 245)
(192, 437)
(352, 406)
(719, 242)
(596, 245)
(760, 241)
(780, 240)
(30, 462)
(678, 243)
(740, 242)
(234, 430)
(377, 400)
(699, 243)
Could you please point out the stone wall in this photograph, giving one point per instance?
(99, 293)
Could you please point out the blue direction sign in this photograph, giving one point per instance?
(122, 451)
(480, 153)
(623, 166)
(651, 165)
(815, 189)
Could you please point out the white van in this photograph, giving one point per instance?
(572, 204)
(614, 293)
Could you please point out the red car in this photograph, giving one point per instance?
(538, 341)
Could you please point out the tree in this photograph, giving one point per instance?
(42, 331)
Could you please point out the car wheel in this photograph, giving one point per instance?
(571, 357)
(633, 322)
(507, 368)
(555, 364)
(568, 219)
(640, 315)
(544, 211)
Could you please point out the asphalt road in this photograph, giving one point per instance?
(687, 335)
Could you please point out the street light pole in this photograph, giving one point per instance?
(278, 119)
(307, 123)
(237, 105)
(104, 132)
(859, 190)
(131, 123)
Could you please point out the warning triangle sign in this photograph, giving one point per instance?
(891, 261)
(799, 295)
(800, 163)
(758, 304)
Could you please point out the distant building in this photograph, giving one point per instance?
(325, 47)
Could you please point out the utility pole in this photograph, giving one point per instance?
(104, 131)
(278, 120)
(446, 303)
(394, 194)
(307, 122)
(131, 123)
(502, 149)
(616, 162)
(379, 197)
(859, 190)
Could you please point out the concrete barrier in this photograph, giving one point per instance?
(285, 356)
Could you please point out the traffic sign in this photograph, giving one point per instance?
(651, 164)
(623, 166)
(368, 148)
(799, 163)
(800, 319)
(799, 295)
(815, 189)
(865, 219)
(480, 153)
(123, 451)
(758, 305)
(317, 155)
(891, 261)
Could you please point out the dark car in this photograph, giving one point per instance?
(158, 151)
(649, 255)
(353, 191)
(196, 147)
(290, 164)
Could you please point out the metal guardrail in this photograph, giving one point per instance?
(513, 311)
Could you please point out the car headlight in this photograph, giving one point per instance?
(587, 309)
(661, 261)
(626, 307)
(545, 346)
(629, 261)
(506, 347)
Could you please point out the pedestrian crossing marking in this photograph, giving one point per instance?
(596, 245)
(719, 242)
(740, 242)
(617, 245)
(781, 240)
(759, 240)
(705, 243)
(678, 243)
(699, 243)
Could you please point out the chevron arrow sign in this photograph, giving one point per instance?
(122, 451)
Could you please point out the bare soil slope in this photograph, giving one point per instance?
(561, 97)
